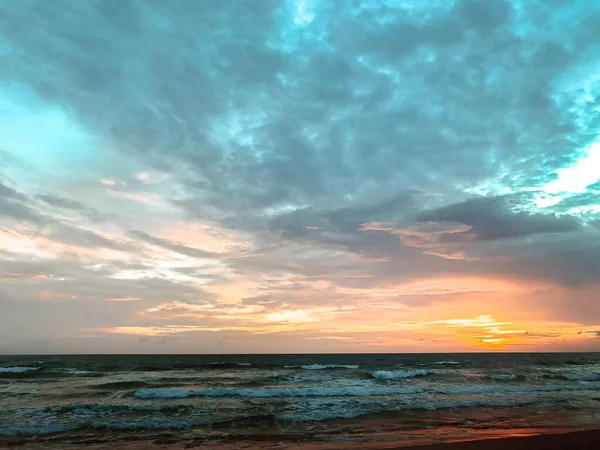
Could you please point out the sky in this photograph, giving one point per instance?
(284, 176)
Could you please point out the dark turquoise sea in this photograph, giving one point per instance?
(293, 398)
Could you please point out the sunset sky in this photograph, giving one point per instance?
(283, 176)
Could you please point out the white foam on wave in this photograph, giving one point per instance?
(447, 363)
(357, 390)
(146, 424)
(224, 363)
(498, 389)
(72, 371)
(329, 366)
(583, 376)
(398, 374)
(585, 373)
(18, 369)
(316, 410)
(503, 377)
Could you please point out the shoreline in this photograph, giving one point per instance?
(582, 439)
(565, 439)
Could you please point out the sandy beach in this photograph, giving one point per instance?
(575, 440)
(584, 440)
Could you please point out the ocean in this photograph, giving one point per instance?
(222, 400)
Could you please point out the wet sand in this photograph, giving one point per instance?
(578, 440)
(574, 440)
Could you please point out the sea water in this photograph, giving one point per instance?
(292, 398)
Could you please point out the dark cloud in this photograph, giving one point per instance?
(349, 218)
(20, 207)
(13, 205)
(572, 260)
(341, 224)
(10, 193)
(83, 238)
(173, 246)
(341, 119)
(491, 218)
(62, 202)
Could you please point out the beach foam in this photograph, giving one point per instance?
(398, 374)
(316, 410)
(329, 366)
(18, 369)
(503, 377)
(356, 390)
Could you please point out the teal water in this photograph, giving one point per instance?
(314, 398)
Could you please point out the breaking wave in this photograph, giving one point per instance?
(18, 369)
(121, 385)
(506, 377)
(356, 391)
(398, 374)
(329, 366)
(352, 391)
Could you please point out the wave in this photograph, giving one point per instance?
(21, 430)
(18, 369)
(506, 377)
(106, 417)
(224, 365)
(583, 377)
(215, 365)
(448, 363)
(398, 374)
(350, 391)
(121, 385)
(581, 362)
(314, 411)
(143, 425)
(90, 409)
(76, 416)
(270, 380)
(574, 377)
(45, 373)
(355, 391)
(329, 366)
(511, 388)
(76, 372)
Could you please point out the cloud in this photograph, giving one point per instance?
(61, 202)
(491, 218)
(82, 237)
(573, 259)
(296, 159)
(13, 205)
(170, 245)
(10, 193)
(22, 208)
(470, 58)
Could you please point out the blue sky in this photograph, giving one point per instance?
(300, 175)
